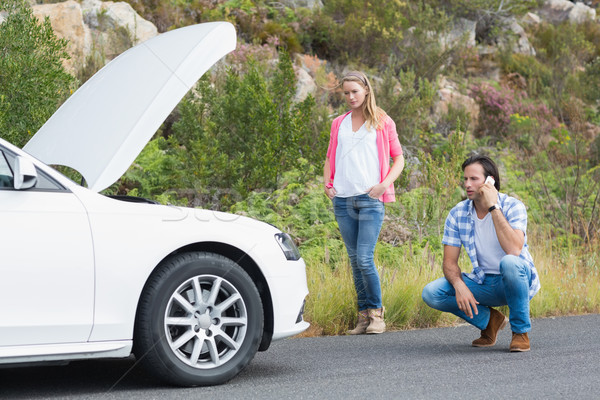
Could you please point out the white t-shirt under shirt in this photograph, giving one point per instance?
(487, 246)
(356, 160)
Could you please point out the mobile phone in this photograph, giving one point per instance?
(490, 179)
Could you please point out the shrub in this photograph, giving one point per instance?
(496, 107)
(590, 82)
(352, 31)
(235, 134)
(33, 82)
(561, 180)
(359, 33)
(499, 108)
(407, 99)
(566, 50)
(258, 126)
(538, 76)
(422, 51)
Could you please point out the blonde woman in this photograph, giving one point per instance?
(359, 180)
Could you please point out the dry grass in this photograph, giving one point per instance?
(570, 285)
(570, 279)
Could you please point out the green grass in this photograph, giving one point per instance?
(569, 277)
(409, 254)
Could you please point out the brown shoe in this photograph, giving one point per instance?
(488, 336)
(376, 325)
(520, 342)
(362, 324)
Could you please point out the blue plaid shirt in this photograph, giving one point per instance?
(459, 230)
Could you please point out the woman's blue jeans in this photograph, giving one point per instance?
(510, 288)
(359, 219)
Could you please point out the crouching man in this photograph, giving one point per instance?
(492, 228)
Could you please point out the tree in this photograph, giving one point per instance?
(33, 82)
(237, 132)
(246, 131)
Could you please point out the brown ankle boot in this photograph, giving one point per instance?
(376, 325)
(361, 325)
(488, 336)
(520, 342)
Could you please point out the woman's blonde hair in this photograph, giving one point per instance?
(373, 114)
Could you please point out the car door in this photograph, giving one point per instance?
(46, 262)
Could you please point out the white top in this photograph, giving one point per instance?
(488, 249)
(356, 160)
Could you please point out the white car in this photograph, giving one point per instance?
(194, 294)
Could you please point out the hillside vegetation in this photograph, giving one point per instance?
(243, 141)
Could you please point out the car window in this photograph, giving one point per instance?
(44, 182)
(6, 175)
(7, 161)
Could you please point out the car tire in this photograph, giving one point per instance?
(188, 342)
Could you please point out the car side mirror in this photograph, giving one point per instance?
(25, 174)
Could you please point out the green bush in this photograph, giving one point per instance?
(561, 187)
(352, 30)
(256, 128)
(590, 82)
(538, 76)
(408, 100)
(234, 135)
(33, 82)
(564, 49)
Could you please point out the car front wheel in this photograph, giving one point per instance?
(199, 321)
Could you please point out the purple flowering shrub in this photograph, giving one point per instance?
(495, 108)
(498, 108)
(245, 53)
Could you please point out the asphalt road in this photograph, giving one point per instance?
(430, 364)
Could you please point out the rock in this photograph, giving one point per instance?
(67, 22)
(531, 19)
(94, 29)
(486, 50)
(462, 27)
(305, 84)
(109, 16)
(448, 95)
(522, 45)
(581, 13)
(515, 81)
(312, 4)
(394, 232)
(557, 11)
(592, 132)
(510, 30)
(314, 79)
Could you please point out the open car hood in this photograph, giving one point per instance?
(103, 126)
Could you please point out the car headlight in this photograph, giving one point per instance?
(287, 245)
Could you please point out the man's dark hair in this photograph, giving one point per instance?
(489, 167)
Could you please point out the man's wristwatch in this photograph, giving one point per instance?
(494, 207)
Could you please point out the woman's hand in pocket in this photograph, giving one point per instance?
(330, 192)
(376, 191)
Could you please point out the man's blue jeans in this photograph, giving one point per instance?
(510, 288)
(359, 219)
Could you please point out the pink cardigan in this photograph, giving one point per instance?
(388, 146)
